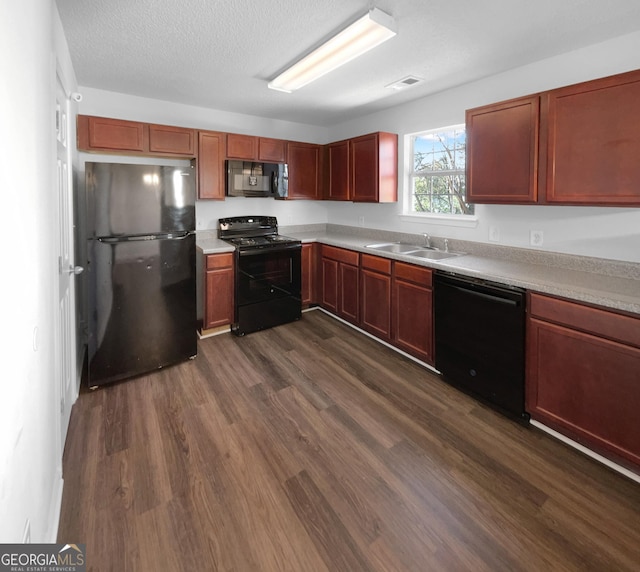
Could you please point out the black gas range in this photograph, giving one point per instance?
(267, 275)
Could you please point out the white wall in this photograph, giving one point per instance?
(30, 460)
(602, 232)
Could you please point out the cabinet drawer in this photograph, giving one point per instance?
(601, 322)
(413, 273)
(377, 263)
(219, 260)
(340, 254)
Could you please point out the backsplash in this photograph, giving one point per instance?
(568, 261)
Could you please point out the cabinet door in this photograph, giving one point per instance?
(376, 303)
(586, 387)
(211, 172)
(272, 150)
(304, 170)
(348, 292)
(413, 319)
(364, 168)
(219, 291)
(174, 140)
(593, 142)
(373, 163)
(338, 171)
(330, 284)
(502, 152)
(308, 262)
(95, 133)
(242, 147)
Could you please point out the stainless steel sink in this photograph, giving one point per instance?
(428, 252)
(433, 254)
(396, 247)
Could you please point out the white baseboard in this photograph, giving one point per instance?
(395, 349)
(574, 444)
(55, 509)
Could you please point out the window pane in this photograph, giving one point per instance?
(438, 176)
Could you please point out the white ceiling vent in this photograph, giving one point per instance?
(405, 82)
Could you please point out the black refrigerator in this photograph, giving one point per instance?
(142, 275)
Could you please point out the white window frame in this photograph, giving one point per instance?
(408, 215)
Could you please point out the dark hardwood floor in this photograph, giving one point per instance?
(310, 447)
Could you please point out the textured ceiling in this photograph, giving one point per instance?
(221, 53)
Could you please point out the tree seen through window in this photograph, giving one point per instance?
(438, 176)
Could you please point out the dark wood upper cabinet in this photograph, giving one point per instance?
(338, 183)
(305, 168)
(173, 140)
(211, 171)
(272, 150)
(242, 147)
(373, 164)
(577, 145)
(502, 152)
(593, 142)
(105, 134)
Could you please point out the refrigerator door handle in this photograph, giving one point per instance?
(134, 238)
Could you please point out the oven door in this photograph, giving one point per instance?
(268, 287)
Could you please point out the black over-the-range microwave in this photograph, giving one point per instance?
(250, 179)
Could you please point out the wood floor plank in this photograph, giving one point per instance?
(116, 419)
(338, 549)
(311, 447)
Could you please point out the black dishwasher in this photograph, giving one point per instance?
(479, 340)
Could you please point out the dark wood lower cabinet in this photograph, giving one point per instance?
(583, 375)
(340, 282)
(219, 291)
(309, 263)
(412, 310)
(349, 292)
(329, 300)
(375, 285)
(391, 300)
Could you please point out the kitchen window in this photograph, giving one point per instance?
(437, 177)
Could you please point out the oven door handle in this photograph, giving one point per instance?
(254, 251)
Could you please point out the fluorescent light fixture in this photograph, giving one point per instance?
(364, 34)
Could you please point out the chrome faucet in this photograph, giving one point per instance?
(446, 245)
(427, 240)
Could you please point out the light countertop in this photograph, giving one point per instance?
(594, 281)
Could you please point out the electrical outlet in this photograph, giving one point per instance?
(536, 237)
(494, 234)
(361, 220)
